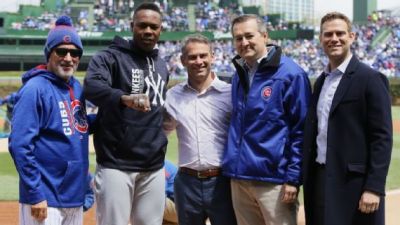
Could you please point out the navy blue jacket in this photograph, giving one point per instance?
(359, 146)
(49, 140)
(124, 138)
(266, 131)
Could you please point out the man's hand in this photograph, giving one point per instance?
(39, 211)
(289, 193)
(169, 123)
(138, 102)
(369, 202)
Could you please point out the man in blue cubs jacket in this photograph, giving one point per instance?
(270, 95)
(49, 136)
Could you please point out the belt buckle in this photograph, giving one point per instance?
(199, 176)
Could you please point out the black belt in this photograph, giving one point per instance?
(319, 166)
(203, 174)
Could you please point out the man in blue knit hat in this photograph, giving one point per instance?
(49, 137)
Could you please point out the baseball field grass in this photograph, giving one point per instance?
(393, 179)
(9, 176)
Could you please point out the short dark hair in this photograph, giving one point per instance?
(243, 18)
(195, 38)
(147, 6)
(333, 16)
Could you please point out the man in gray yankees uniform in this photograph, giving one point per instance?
(127, 81)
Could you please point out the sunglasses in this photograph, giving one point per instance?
(62, 52)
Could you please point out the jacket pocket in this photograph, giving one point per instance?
(71, 188)
(348, 100)
(143, 142)
(356, 168)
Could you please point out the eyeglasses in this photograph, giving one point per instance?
(62, 52)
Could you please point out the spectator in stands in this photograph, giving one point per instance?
(270, 95)
(49, 135)
(9, 100)
(199, 110)
(382, 56)
(348, 135)
(127, 81)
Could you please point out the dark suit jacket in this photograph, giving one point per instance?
(359, 144)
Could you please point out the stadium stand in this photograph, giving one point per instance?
(23, 35)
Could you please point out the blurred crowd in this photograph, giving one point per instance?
(223, 53)
(212, 18)
(110, 17)
(384, 56)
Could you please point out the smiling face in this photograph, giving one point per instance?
(249, 42)
(336, 40)
(197, 58)
(146, 27)
(63, 66)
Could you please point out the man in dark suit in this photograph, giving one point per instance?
(348, 135)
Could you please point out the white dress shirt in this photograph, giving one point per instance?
(201, 121)
(328, 90)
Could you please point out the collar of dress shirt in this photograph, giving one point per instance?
(216, 84)
(340, 69)
(268, 55)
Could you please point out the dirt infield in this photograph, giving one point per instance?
(9, 212)
(396, 126)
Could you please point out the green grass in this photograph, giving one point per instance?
(9, 176)
(396, 113)
(11, 73)
(7, 165)
(18, 74)
(393, 179)
(172, 151)
(394, 169)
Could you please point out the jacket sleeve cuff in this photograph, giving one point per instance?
(376, 186)
(295, 184)
(116, 98)
(35, 196)
(375, 192)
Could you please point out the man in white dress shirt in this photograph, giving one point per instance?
(200, 110)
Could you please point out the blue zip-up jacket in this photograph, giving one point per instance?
(49, 140)
(266, 130)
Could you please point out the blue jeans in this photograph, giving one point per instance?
(199, 199)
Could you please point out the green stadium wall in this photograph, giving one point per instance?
(165, 36)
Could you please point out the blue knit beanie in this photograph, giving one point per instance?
(62, 33)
